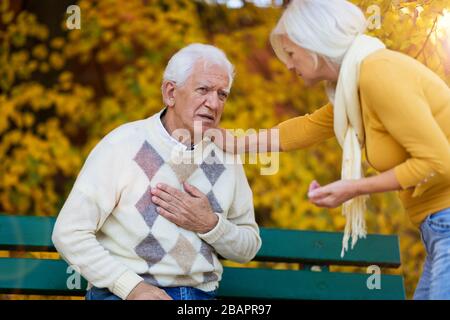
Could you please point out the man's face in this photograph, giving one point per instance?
(202, 97)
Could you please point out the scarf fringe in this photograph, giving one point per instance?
(348, 127)
(355, 225)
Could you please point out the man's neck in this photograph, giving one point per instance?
(170, 125)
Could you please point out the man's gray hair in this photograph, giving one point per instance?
(182, 63)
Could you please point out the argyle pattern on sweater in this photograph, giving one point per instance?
(183, 252)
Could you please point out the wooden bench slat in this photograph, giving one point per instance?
(311, 247)
(50, 277)
(36, 276)
(26, 233)
(306, 285)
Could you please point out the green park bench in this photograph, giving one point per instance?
(305, 248)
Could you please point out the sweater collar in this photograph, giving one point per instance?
(166, 135)
(177, 150)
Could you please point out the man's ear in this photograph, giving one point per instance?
(168, 91)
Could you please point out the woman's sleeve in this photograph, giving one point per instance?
(397, 99)
(304, 131)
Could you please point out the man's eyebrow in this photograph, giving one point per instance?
(209, 86)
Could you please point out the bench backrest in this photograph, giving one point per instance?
(45, 276)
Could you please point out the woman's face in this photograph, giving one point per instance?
(301, 61)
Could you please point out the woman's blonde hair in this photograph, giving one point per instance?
(325, 28)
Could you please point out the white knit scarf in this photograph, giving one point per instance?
(349, 130)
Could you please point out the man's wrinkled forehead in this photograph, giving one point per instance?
(210, 75)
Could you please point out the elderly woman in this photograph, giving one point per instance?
(380, 100)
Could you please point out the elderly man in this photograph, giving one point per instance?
(139, 224)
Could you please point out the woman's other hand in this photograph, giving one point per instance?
(332, 195)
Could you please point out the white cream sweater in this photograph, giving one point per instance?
(109, 230)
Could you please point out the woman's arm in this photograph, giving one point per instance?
(293, 134)
(251, 143)
(336, 193)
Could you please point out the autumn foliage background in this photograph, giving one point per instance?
(62, 90)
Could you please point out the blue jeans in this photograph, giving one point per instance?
(176, 293)
(434, 284)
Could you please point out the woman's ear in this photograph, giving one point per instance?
(168, 90)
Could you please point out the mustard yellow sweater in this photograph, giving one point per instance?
(406, 113)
